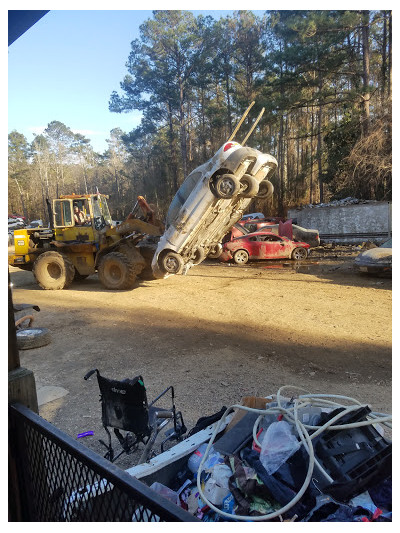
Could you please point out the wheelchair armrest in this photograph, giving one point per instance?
(171, 388)
(164, 414)
(90, 373)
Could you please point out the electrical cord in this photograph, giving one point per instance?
(291, 415)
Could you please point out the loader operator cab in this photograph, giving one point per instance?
(101, 214)
(94, 208)
(81, 215)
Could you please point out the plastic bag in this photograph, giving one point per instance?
(277, 446)
(216, 488)
(165, 491)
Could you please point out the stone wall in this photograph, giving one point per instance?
(348, 223)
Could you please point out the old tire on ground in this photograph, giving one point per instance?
(116, 272)
(240, 257)
(32, 338)
(250, 185)
(299, 253)
(53, 271)
(226, 186)
(215, 251)
(172, 263)
(265, 190)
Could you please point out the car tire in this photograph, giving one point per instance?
(240, 257)
(172, 263)
(53, 271)
(215, 251)
(226, 186)
(116, 272)
(199, 256)
(250, 186)
(29, 338)
(299, 254)
(266, 190)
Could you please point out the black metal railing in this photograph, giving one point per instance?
(59, 479)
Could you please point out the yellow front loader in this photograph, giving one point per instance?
(68, 250)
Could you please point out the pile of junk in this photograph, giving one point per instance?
(289, 457)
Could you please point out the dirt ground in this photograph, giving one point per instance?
(217, 334)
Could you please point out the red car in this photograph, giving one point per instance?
(263, 245)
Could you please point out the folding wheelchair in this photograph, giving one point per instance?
(125, 408)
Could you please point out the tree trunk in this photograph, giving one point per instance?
(173, 158)
(21, 194)
(366, 74)
(182, 130)
(384, 59)
(319, 142)
(281, 159)
(312, 159)
(390, 57)
(228, 101)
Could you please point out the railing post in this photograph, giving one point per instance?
(21, 389)
(21, 382)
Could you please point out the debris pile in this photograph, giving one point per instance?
(309, 458)
(336, 203)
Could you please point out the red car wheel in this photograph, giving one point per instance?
(241, 257)
(299, 253)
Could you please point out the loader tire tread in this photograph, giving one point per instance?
(53, 271)
(117, 272)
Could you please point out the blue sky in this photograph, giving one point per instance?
(66, 66)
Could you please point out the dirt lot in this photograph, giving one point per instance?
(220, 333)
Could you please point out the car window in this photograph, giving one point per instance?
(251, 227)
(182, 195)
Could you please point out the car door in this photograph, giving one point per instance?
(253, 245)
(273, 247)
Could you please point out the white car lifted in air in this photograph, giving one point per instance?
(210, 201)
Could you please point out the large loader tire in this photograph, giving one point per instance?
(135, 257)
(116, 272)
(53, 271)
(147, 251)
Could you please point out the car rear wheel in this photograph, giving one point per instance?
(226, 186)
(241, 257)
(199, 256)
(265, 190)
(215, 251)
(299, 253)
(250, 186)
(172, 263)
(53, 271)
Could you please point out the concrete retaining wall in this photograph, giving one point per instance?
(348, 223)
